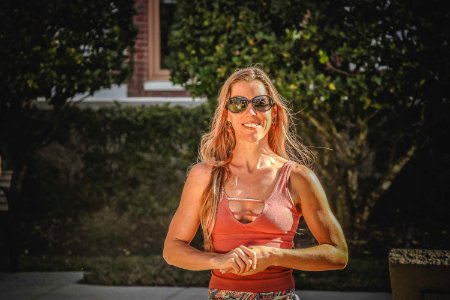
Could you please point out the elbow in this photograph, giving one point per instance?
(338, 258)
(342, 259)
(342, 264)
(173, 251)
(167, 256)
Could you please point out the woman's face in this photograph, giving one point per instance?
(250, 125)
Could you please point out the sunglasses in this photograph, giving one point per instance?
(239, 104)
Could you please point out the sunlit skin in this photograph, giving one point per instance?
(248, 137)
(254, 167)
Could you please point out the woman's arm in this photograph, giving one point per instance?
(331, 253)
(177, 249)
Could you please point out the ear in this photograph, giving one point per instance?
(274, 112)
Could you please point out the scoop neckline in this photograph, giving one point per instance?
(230, 212)
(264, 201)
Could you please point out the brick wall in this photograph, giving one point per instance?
(140, 73)
(141, 57)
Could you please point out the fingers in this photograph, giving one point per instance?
(245, 259)
(241, 260)
(232, 263)
(251, 254)
(229, 270)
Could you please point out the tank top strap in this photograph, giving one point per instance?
(284, 175)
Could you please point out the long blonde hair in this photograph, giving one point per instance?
(216, 146)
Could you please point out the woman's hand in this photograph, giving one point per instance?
(239, 261)
(260, 256)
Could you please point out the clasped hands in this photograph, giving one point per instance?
(245, 260)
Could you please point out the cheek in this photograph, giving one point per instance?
(234, 121)
(268, 118)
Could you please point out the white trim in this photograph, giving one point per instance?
(118, 91)
(162, 85)
(145, 99)
(131, 101)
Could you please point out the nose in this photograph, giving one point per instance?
(252, 110)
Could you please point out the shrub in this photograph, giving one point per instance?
(111, 179)
(362, 274)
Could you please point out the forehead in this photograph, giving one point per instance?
(248, 89)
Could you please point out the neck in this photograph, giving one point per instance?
(252, 156)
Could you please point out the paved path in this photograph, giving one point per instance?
(64, 286)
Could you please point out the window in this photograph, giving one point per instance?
(161, 17)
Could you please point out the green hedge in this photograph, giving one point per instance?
(362, 274)
(110, 181)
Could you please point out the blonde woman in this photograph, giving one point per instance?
(248, 193)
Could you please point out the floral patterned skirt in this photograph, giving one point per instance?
(215, 294)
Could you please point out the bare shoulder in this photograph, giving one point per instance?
(301, 174)
(200, 173)
(197, 181)
(305, 183)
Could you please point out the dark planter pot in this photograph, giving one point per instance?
(419, 274)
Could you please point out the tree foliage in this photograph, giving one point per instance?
(54, 50)
(368, 78)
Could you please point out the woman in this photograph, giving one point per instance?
(248, 193)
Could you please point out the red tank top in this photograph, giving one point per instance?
(275, 226)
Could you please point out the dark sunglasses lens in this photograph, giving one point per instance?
(236, 104)
(262, 103)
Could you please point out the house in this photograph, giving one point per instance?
(150, 82)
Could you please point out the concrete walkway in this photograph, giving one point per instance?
(64, 286)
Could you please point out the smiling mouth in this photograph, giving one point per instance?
(251, 125)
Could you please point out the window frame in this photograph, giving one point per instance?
(154, 63)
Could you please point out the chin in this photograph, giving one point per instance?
(253, 138)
